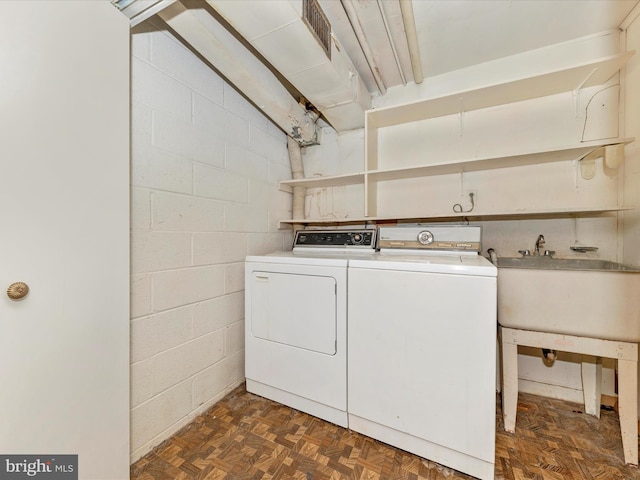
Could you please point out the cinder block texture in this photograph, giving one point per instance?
(204, 173)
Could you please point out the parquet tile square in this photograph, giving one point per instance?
(246, 437)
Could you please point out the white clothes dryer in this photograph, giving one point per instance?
(296, 321)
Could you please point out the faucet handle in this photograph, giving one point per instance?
(525, 253)
(549, 253)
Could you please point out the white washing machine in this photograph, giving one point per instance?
(422, 346)
(296, 321)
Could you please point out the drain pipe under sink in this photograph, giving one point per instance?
(549, 356)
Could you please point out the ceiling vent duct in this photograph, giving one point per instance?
(318, 24)
(139, 10)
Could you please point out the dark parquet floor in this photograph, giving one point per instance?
(246, 437)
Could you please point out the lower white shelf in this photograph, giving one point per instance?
(452, 217)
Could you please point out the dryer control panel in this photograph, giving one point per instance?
(356, 239)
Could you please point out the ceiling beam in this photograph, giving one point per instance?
(240, 67)
(412, 39)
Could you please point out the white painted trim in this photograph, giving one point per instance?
(629, 19)
(571, 343)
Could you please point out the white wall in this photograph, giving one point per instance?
(205, 169)
(558, 120)
(337, 153)
(632, 151)
(631, 226)
(204, 175)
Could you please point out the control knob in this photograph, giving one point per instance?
(357, 238)
(425, 237)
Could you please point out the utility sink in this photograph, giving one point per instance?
(571, 296)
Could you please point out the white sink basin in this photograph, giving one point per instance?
(583, 297)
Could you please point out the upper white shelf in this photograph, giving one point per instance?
(548, 155)
(575, 77)
(587, 74)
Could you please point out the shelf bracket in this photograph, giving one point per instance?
(576, 91)
(579, 87)
(612, 157)
(588, 163)
(576, 103)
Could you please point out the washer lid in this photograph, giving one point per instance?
(446, 264)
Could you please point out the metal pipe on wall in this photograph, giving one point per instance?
(297, 172)
(412, 39)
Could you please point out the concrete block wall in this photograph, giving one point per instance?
(204, 194)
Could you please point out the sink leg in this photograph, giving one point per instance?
(592, 383)
(628, 405)
(509, 384)
(626, 354)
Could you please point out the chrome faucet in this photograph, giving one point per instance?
(539, 243)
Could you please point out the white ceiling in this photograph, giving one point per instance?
(370, 39)
(455, 34)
